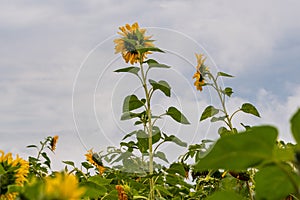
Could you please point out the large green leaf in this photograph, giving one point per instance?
(153, 63)
(241, 151)
(273, 182)
(295, 126)
(209, 111)
(133, 70)
(177, 115)
(130, 115)
(162, 86)
(131, 102)
(143, 138)
(249, 108)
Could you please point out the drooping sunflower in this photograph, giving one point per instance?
(95, 160)
(121, 193)
(133, 38)
(53, 142)
(201, 72)
(63, 187)
(12, 172)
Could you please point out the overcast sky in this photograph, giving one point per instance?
(57, 63)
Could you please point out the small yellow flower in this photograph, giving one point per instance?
(132, 39)
(54, 142)
(63, 187)
(13, 172)
(202, 70)
(92, 158)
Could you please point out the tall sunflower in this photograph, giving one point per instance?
(133, 38)
(94, 159)
(63, 187)
(201, 72)
(12, 172)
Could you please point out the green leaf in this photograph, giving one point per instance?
(241, 151)
(273, 183)
(176, 168)
(69, 163)
(146, 49)
(129, 135)
(228, 91)
(131, 102)
(31, 146)
(133, 70)
(176, 140)
(215, 119)
(163, 190)
(143, 138)
(224, 74)
(162, 86)
(209, 111)
(225, 195)
(99, 180)
(130, 115)
(93, 190)
(14, 188)
(87, 165)
(249, 108)
(162, 156)
(177, 115)
(295, 126)
(153, 63)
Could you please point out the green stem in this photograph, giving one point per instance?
(149, 128)
(222, 99)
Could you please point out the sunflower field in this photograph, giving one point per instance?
(249, 164)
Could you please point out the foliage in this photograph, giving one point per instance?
(248, 164)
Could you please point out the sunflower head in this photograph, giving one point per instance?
(53, 142)
(201, 72)
(132, 40)
(63, 186)
(12, 172)
(95, 160)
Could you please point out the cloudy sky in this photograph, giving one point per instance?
(57, 63)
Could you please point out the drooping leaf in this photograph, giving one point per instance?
(131, 102)
(87, 165)
(129, 135)
(224, 74)
(145, 49)
(162, 156)
(176, 140)
(71, 163)
(162, 86)
(31, 146)
(241, 151)
(209, 111)
(143, 138)
(272, 182)
(249, 108)
(228, 91)
(295, 126)
(133, 70)
(154, 64)
(177, 115)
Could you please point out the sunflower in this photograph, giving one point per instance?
(95, 160)
(121, 193)
(133, 38)
(53, 142)
(63, 187)
(12, 172)
(202, 70)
